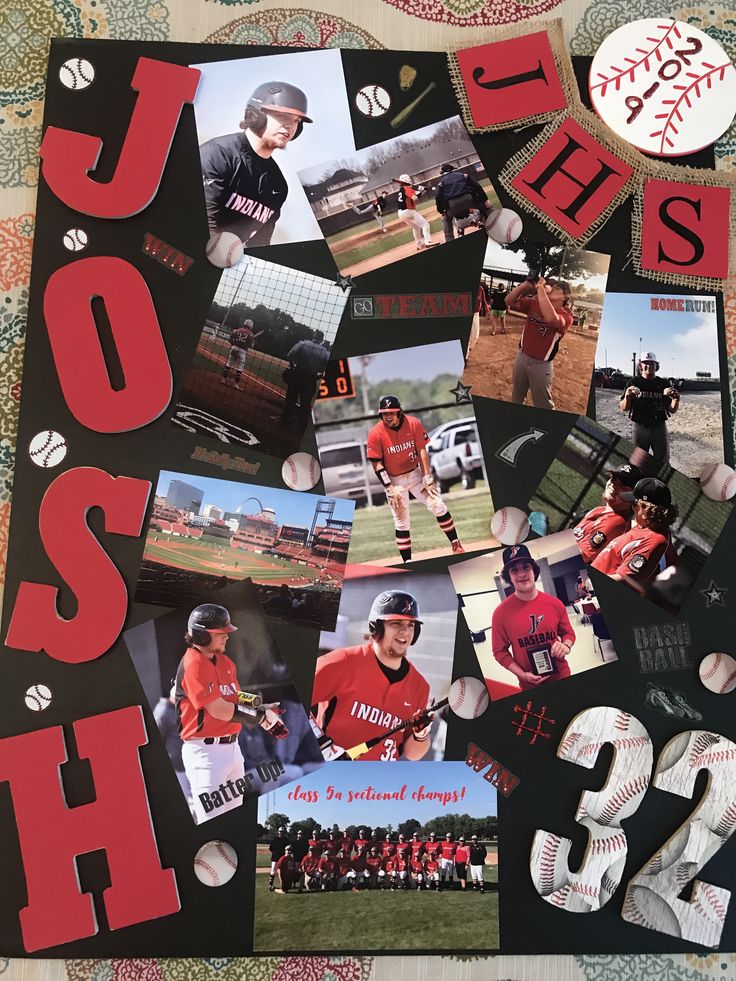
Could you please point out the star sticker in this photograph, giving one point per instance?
(714, 595)
(344, 282)
(461, 392)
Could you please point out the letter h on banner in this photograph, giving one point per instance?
(52, 835)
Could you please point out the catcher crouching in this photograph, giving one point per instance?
(397, 450)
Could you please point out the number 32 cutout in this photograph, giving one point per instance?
(651, 899)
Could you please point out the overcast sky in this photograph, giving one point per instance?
(414, 363)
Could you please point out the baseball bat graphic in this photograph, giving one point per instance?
(402, 116)
(357, 751)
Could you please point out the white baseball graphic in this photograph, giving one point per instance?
(38, 698)
(224, 249)
(47, 448)
(76, 73)
(652, 898)
(300, 471)
(510, 526)
(373, 100)
(718, 481)
(503, 225)
(75, 239)
(215, 863)
(468, 697)
(664, 86)
(718, 673)
(600, 812)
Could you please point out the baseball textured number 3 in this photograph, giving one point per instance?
(652, 895)
(600, 812)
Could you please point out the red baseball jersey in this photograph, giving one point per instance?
(448, 849)
(346, 843)
(635, 554)
(242, 337)
(403, 848)
(331, 846)
(343, 864)
(357, 701)
(539, 339)
(310, 863)
(520, 628)
(599, 527)
(391, 863)
(287, 867)
(417, 863)
(374, 863)
(318, 845)
(327, 865)
(407, 198)
(402, 863)
(432, 864)
(417, 849)
(199, 681)
(462, 855)
(433, 849)
(361, 843)
(398, 449)
(360, 863)
(388, 848)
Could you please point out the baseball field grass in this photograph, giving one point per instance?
(373, 530)
(376, 920)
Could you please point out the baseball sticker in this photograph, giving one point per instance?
(664, 86)
(510, 526)
(718, 481)
(75, 239)
(224, 249)
(718, 673)
(300, 471)
(38, 698)
(47, 448)
(373, 100)
(215, 863)
(76, 73)
(503, 225)
(468, 697)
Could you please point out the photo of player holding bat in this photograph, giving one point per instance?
(242, 339)
(371, 698)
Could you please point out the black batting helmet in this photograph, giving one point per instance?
(207, 619)
(389, 403)
(393, 605)
(280, 97)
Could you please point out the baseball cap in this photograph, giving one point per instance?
(626, 474)
(516, 553)
(474, 838)
(282, 828)
(652, 490)
(446, 168)
(248, 323)
(649, 356)
(405, 177)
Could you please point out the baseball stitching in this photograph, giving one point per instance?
(202, 864)
(714, 902)
(713, 668)
(479, 704)
(568, 742)
(721, 756)
(684, 872)
(725, 686)
(675, 111)
(223, 852)
(599, 846)
(633, 65)
(622, 721)
(547, 862)
(622, 796)
(631, 913)
(725, 826)
(313, 470)
(701, 743)
(294, 474)
(559, 897)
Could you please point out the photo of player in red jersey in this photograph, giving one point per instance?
(360, 692)
(599, 526)
(528, 621)
(397, 450)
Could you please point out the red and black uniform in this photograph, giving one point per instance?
(375, 865)
(318, 845)
(539, 339)
(388, 848)
(357, 699)
(398, 449)
(326, 867)
(599, 527)
(636, 554)
(417, 849)
(519, 628)
(403, 848)
(362, 843)
(288, 870)
(199, 681)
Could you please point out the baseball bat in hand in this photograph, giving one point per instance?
(356, 751)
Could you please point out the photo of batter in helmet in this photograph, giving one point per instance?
(381, 684)
(256, 127)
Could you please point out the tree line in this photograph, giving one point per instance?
(281, 330)
(456, 824)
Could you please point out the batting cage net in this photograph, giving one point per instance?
(574, 484)
(259, 358)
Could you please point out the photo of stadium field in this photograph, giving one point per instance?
(208, 533)
(261, 353)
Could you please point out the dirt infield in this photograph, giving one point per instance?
(488, 369)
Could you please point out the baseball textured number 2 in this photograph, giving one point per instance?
(652, 895)
(600, 812)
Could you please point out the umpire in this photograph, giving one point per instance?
(649, 401)
(457, 194)
(307, 362)
(244, 188)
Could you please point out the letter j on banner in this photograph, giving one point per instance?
(509, 80)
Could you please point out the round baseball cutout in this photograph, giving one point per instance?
(468, 697)
(38, 698)
(215, 863)
(718, 481)
(75, 239)
(664, 86)
(373, 101)
(224, 249)
(503, 225)
(300, 471)
(718, 673)
(47, 448)
(76, 74)
(510, 526)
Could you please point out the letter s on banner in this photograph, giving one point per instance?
(68, 157)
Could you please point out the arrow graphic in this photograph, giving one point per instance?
(510, 451)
